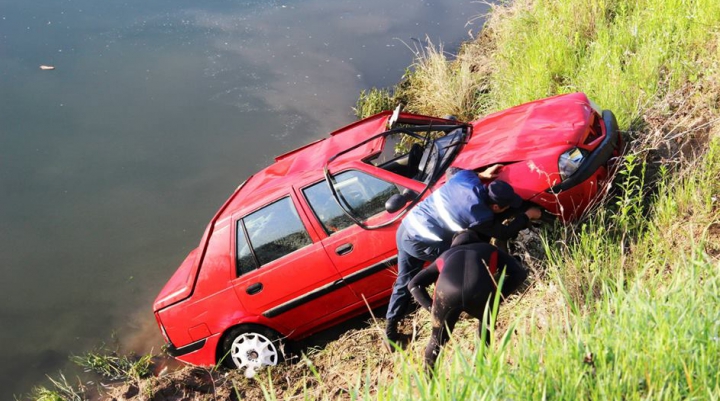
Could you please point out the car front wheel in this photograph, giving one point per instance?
(252, 347)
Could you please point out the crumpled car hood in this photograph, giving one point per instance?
(531, 131)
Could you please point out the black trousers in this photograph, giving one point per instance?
(465, 285)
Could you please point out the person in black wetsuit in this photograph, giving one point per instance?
(463, 202)
(467, 275)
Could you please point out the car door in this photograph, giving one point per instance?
(282, 275)
(365, 259)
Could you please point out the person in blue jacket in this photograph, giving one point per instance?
(466, 278)
(463, 202)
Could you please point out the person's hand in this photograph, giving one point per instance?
(533, 213)
(490, 172)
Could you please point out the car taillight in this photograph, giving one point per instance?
(570, 161)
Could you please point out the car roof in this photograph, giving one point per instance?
(304, 165)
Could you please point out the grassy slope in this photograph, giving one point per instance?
(622, 305)
(625, 303)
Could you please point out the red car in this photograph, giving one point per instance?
(308, 242)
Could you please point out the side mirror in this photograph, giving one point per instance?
(398, 201)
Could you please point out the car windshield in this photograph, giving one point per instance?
(421, 153)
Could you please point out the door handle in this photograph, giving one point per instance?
(254, 288)
(344, 249)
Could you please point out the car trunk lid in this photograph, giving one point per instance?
(180, 285)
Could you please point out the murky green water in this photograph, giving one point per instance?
(112, 164)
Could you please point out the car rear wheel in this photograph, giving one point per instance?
(252, 347)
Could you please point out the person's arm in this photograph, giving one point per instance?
(490, 173)
(418, 285)
(496, 229)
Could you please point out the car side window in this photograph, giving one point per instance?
(245, 259)
(268, 234)
(364, 194)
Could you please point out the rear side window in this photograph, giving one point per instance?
(268, 234)
(364, 194)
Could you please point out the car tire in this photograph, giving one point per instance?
(252, 347)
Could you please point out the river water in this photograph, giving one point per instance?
(112, 164)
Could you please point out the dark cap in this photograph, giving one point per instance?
(501, 193)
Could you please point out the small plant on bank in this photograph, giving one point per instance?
(61, 391)
(110, 365)
(374, 101)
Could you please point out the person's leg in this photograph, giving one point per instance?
(447, 306)
(479, 292)
(476, 308)
(443, 321)
(408, 267)
(515, 273)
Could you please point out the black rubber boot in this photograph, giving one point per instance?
(391, 331)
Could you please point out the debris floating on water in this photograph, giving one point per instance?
(47, 67)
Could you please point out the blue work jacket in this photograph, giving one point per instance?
(461, 203)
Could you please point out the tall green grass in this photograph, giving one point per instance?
(104, 362)
(437, 84)
(62, 390)
(624, 54)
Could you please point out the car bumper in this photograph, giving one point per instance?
(176, 352)
(198, 353)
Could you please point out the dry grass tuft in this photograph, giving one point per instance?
(443, 84)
